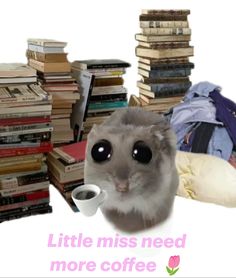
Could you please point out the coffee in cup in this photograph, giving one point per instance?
(88, 198)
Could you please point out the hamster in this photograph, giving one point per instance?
(132, 157)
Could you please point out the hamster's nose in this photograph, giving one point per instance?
(122, 185)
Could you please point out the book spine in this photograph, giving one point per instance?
(64, 177)
(46, 43)
(46, 58)
(65, 168)
(164, 45)
(25, 121)
(24, 213)
(74, 167)
(113, 91)
(26, 132)
(21, 159)
(29, 115)
(25, 138)
(170, 73)
(108, 66)
(159, 17)
(166, 12)
(14, 168)
(8, 183)
(64, 187)
(22, 209)
(166, 31)
(164, 24)
(19, 99)
(40, 92)
(24, 189)
(29, 196)
(35, 55)
(114, 97)
(47, 147)
(169, 86)
(108, 105)
(66, 157)
(169, 66)
(36, 65)
(21, 110)
(24, 204)
(12, 128)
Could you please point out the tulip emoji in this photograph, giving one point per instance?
(173, 264)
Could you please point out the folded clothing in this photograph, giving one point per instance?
(206, 178)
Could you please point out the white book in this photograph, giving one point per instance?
(46, 42)
(109, 90)
(16, 70)
(18, 80)
(24, 188)
(30, 131)
(45, 49)
(15, 110)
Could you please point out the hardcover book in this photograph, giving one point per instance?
(164, 38)
(49, 67)
(72, 153)
(16, 70)
(164, 53)
(47, 58)
(166, 31)
(79, 114)
(46, 42)
(164, 24)
(166, 12)
(97, 64)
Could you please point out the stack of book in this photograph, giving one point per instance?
(50, 61)
(25, 136)
(163, 50)
(108, 93)
(66, 168)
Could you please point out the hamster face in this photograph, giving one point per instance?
(134, 165)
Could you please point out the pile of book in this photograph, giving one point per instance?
(163, 50)
(25, 137)
(107, 94)
(50, 61)
(66, 169)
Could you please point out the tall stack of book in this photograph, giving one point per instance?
(50, 61)
(25, 136)
(66, 166)
(108, 93)
(163, 50)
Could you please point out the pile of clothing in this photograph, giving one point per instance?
(205, 122)
(205, 127)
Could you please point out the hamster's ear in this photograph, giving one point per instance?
(93, 131)
(165, 135)
(157, 132)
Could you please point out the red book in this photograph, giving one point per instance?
(44, 148)
(72, 153)
(25, 121)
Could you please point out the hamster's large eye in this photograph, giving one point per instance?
(141, 152)
(101, 151)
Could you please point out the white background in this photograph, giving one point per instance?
(106, 29)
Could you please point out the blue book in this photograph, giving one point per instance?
(164, 88)
(180, 72)
(106, 106)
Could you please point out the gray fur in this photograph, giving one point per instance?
(152, 187)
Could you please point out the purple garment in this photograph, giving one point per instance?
(225, 112)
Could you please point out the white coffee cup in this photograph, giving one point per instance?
(88, 198)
